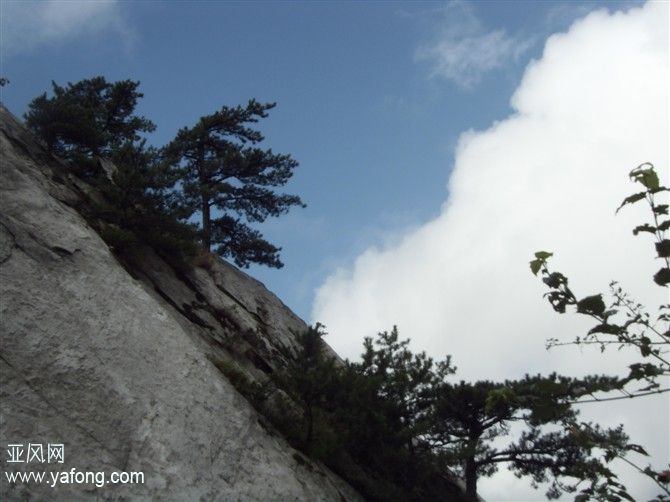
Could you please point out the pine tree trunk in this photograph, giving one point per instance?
(206, 225)
(471, 479)
(204, 199)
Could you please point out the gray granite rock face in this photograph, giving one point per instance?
(117, 368)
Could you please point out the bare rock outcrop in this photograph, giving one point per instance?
(117, 367)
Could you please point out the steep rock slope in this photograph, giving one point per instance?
(117, 367)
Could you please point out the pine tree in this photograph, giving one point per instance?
(95, 118)
(223, 171)
(89, 118)
(309, 377)
(141, 207)
(402, 377)
(471, 420)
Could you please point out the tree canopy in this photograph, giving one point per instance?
(92, 117)
(398, 413)
(470, 421)
(229, 181)
(215, 170)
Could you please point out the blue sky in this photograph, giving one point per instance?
(371, 125)
(440, 145)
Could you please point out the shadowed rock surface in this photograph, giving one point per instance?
(117, 366)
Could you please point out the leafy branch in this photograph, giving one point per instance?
(624, 323)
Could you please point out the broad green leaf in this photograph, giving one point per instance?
(663, 248)
(632, 199)
(610, 329)
(535, 266)
(555, 279)
(664, 225)
(540, 259)
(647, 177)
(644, 228)
(650, 179)
(662, 277)
(591, 305)
(661, 209)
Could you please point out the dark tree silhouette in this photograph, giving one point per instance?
(471, 420)
(95, 118)
(89, 118)
(221, 169)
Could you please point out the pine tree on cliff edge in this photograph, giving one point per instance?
(89, 118)
(222, 170)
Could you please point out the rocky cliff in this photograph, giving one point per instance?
(116, 364)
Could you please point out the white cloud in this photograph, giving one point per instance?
(31, 25)
(464, 51)
(547, 177)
